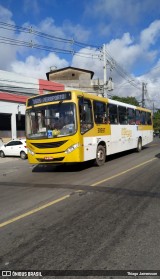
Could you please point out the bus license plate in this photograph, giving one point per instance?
(48, 158)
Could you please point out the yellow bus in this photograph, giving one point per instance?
(73, 126)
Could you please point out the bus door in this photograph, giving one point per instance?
(86, 126)
(115, 139)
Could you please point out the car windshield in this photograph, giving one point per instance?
(51, 121)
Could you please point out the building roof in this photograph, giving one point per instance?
(67, 68)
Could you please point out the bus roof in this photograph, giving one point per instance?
(93, 97)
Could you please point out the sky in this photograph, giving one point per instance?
(39, 35)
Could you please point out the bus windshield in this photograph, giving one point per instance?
(50, 121)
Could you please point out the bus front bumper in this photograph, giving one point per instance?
(71, 155)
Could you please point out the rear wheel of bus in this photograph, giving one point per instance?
(100, 155)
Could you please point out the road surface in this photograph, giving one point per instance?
(82, 217)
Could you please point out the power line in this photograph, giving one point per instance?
(30, 30)
(123, 73)
(71, 42)
(31, 44)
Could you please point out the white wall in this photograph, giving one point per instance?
(14, 83)
(12, 108)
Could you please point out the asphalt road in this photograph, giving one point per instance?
(82, 217)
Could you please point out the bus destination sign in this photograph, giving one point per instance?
(52, 97)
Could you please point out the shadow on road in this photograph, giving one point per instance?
(157, 155)
(63, 167)
(76, 167)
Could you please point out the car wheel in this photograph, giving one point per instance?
(23, 155)
(100, 155)
(2, 155)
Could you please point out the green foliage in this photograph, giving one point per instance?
(156, 121)
(128, 100)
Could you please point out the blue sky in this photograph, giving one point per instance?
(130, 29)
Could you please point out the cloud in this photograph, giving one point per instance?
(36, 67)
(11, 54)
(152, 78)
(60, 37)
(150, 35)
(89, 59)
(7, 52)
(130, 52)
(136, 51)
(128, 11)
(76, 32)
(133, 53)
(113, 18)
(48, 26)
(31, 6)
(116, 10)
(127, 50)
(5, 14)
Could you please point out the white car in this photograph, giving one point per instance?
(15, 147)
(1, 141)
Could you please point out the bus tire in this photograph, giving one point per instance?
(100, 156)
(139, 145)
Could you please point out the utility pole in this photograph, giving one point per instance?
(105, 70)
(144, 91)
(153, 116)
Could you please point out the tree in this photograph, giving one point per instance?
(128, 100)
(156, 120)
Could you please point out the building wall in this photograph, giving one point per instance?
(14, 91)
(73, 78)
(11, 109)
(69, 74)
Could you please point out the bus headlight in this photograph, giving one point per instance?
(72, 148)
(30, 151)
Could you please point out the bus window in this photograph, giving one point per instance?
(85, 113)
(131, 116)
(100, 113)
(138, 117)
(143, 117)
(112, 114)
(122, 115)
(60, 119)
(149, 118)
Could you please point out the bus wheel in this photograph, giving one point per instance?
(139, 145)
(100, 155)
